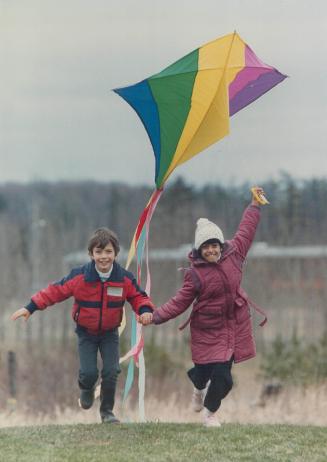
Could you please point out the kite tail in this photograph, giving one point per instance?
(135, 354)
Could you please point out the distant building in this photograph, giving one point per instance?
(258, 250)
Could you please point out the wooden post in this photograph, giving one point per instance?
(12, 374)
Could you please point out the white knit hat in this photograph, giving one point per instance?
(206, 230)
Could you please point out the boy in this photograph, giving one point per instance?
(100, 289)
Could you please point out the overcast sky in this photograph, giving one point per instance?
(60, 59)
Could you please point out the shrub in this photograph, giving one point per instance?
(296, 362)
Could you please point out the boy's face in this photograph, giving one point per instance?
(210, 252)
(103, 258)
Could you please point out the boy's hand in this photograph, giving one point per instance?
(145, 318)
(22, 312)
(258, 196)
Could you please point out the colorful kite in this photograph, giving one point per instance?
(186, 107)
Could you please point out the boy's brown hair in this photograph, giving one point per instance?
(102, 237)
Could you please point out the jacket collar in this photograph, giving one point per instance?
(91, 274)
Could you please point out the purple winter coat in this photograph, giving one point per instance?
(220, 320)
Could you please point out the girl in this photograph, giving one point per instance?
(221, 329)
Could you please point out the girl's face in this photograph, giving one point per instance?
(103, 258)
(210, 252)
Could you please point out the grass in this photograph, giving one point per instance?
(159, 442)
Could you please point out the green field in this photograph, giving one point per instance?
(152, 442)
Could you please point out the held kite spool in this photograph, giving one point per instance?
(259, 196)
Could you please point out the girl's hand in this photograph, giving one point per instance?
(21, 313)
(145, 319)
(258, 196)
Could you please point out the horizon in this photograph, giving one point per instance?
(174, 179)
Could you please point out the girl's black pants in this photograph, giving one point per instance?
(221, 381)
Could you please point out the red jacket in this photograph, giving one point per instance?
(98, 306)
(220, 320)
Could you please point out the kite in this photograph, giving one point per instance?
(186, 108)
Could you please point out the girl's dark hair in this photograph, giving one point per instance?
(211, 241)
(102, 237)
(196, 253)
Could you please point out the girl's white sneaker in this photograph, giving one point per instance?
(210, 419)
(197, 399)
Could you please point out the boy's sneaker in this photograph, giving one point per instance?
(109, 418)
(197, 399)
(86, 398)
(210, 419)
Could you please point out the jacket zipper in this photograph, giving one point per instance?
(101, 308)
(228, 292)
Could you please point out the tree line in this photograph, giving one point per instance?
(41, 222)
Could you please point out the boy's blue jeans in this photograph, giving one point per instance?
(108, 346)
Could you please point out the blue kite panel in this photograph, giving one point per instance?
(140, 97)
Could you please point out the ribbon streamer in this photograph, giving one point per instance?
(135, 354)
